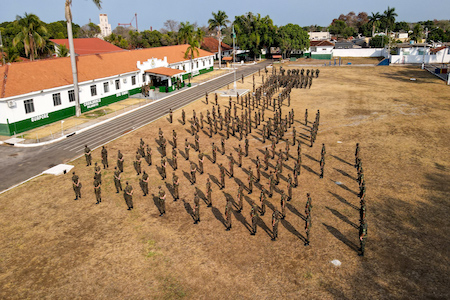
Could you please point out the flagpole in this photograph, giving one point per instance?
(234, 58)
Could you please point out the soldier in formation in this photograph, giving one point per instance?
(104, 157)
(128, 195)
(97, 190)
(196, 208)
(144, 183)
(76, 184)
(275, 221)
(208, 192)
(117, 183)
(254, 216)
(137, 164)
(87, 155)
(148, 155)
(162, 201)
(176, 184)
(228, 212)
(120, 161)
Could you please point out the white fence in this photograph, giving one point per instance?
(360, 52)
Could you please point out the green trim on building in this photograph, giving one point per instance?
(51, 117)
(321, 56)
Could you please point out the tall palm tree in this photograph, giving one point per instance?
(68, 14)
(30, 32)
(194, 44)
(389, 16)
(185, 32)
(375, 20)
(219, 20)
(200, 35)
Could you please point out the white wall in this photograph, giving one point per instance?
(360, 52)
(442, 56)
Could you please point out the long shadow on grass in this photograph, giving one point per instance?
(310, 170)
(345, 174)
(343, 200)
(341, 160)
(337, 234)
(342, 217)
(311, 158)
(292, 230)
(295, 211)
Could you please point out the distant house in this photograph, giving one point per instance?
(86, 46)
(319, 36)
(345, 45)
(211, 44)
(320, 49)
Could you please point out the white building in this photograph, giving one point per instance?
(420, 53)
(40, 92)
(105, 27)
(320, 50)
(319, 36)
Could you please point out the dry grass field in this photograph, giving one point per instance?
(54, 247)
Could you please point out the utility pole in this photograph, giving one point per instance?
(234, 57)
(1, 48)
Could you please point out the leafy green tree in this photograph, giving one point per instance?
(63, 51)
(417, 33)
(388, 18)
(379, 41)
(292, 37)
(340, 28)
(151, 38)
(219, 21)
(374, 20)
(68, 15)
(254, 33)
(401, 26)
(169, 38)
(437, 35)
(57, 30)
(30, 34)
(89, 30)
(194, 45)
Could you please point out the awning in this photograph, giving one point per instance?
(226, 58)
(164, 71)
(276, 56)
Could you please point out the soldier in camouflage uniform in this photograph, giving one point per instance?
(183, 117)
(128, 195)
(306, 117)
(170, 115)
(208, 192)
(231, 164)
(262, 200)
(97, 190)
(104, 157)
(228, 212)
(117, 182)
(98, 173)
(174, 159)
(76, 184)
(176, 184)
(162, 201)
(240, 197)
(193, 171)
(186, 149)
(87, 155)
(254, 216)
(240, 155)
(362, 237)
(308, 206)
(275, 221)
(200, 162)
(357, 154)
(246, 147)
(322, 166)
(289, 186)
(283, 204)
(222, 176)
(163, 168)
(120, 161)
(214, 153)
(145, 183)
(258, 169)
(196, 208)
(137, 163)
(174, 138)
(148, 156)
(266, 159)
(271, 184)
(250, 180)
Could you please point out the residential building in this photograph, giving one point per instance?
(40, 92)
(211, 44)
(105, 27)
(319, 36)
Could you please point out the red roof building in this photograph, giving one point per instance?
(212, 45)
(88, 45)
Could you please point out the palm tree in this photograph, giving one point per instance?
(200, 35)
(375, 20)
(389, 15)
(30, 32)
(219, 20)
(68, 14)
(185, 32)
(194, 44)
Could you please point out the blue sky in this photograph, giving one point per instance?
(154, 14)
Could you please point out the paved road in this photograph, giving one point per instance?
(19, 164)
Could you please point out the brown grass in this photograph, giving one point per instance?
(54, 247)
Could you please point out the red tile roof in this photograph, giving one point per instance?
(276, 56)
(212, 45)
(320, 43)
(27, 77)
(165, 71)
(435, 50)
(88, 45)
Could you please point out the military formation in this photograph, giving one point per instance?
(267, 112)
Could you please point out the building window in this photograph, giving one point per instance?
(29, 106)
(143, 78)
(93, 90)
(184, 68)
(56, 99)
(106, 87)
(203, 62)
(117, 84)
(197, 64)
(71, 95)
(133, 80)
